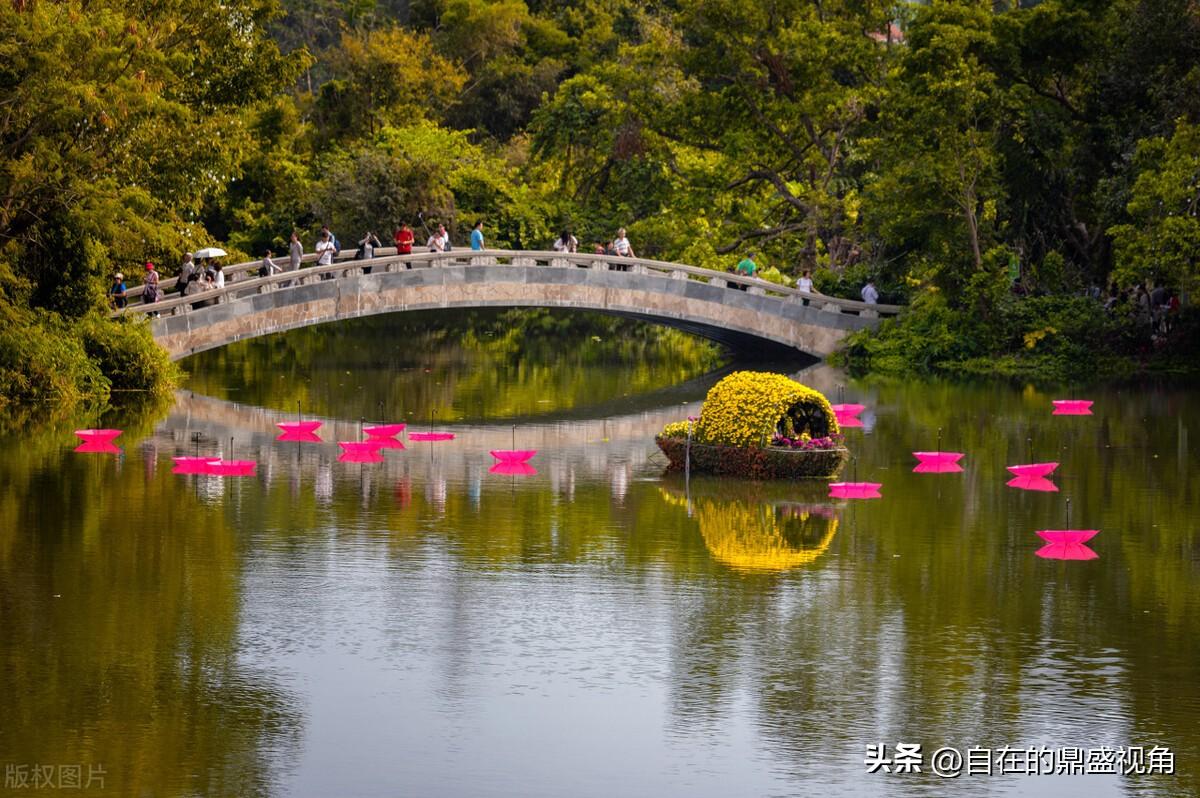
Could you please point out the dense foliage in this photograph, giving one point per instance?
(948, 151)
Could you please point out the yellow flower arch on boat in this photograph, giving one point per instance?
(747, 407)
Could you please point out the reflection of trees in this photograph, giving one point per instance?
(119, 627)
(462, 364)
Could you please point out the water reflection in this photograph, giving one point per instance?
(422, 626)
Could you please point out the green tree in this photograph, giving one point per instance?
(1163, 239)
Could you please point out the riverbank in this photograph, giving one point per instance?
(1052, 338)
(49, 361)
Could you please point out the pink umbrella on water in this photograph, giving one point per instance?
(361, 456)
(360, 447)
(1072, 407)
(97, 447)
(298, 427)
(855, 490)
(937, 462)
(1066, 544)
(513, 455)
(384, 430)
(97, 436)
(513, 468)
(229, 468)
(1033, 483)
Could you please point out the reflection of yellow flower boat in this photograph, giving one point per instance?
(748, 534)
(762, 538)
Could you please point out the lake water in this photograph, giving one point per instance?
(424, 627)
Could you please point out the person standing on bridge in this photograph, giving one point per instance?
(621, 245)
(325, 251)
(404, 241)
(477, 236)
(366, 249)
(745, 266)
(869, 294)
(337, 245)
(566, 242)
(116, 292)
(186, 269)
(439, 241)
(295, 252)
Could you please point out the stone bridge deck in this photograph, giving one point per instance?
(739, 311)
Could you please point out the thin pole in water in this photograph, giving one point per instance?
(1029, 448)
(939, 442)
(299, 417)
(1068, 513)
(514, 436)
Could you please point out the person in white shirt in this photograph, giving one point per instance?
(869, 294)
(622, 246)
(218, 277)
(325, 252)
(566, 242)
(805, 284)
(438, 241)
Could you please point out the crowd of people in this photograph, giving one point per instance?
(1153, 309)
(198, 276)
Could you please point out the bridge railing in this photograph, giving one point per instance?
(241, 279)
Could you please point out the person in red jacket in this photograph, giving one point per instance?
(404, 241)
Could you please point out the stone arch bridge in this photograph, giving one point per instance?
(744, 312)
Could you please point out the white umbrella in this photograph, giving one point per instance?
(209, 252)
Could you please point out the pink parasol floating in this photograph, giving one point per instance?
(513, 455)
(384, 430)
(855, 490)
(1067, 535)
(98, 447)
(361, 447)
(97, 435)
(299, 437)
(848, 409)
(1033, 483)
(298, 427)
(938, 458)
(1072, 407)
(431, 436)
(361, 456)
(192, 465)
(513, 468)
(937, 467)
(385, 443)
(1033, 469)
(1066, 544)
(229, 468)
(848, 421)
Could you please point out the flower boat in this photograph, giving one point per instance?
(758, 425)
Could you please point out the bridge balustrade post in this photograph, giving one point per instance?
(720, 282)
(830, 307)
(757, 290)
(679, 275)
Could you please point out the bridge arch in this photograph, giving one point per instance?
(739, 311)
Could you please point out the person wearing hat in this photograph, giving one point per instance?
(150, 292)
(116, 292)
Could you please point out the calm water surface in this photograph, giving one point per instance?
(423, 627)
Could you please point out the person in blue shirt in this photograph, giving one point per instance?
(477, 236)
(116, 293)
